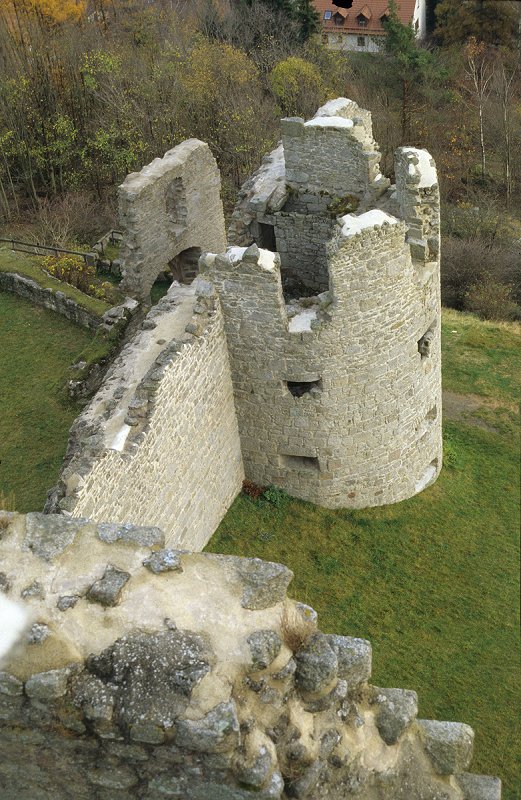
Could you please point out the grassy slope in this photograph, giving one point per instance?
(29, 266)
(432, 581)
(37, 346)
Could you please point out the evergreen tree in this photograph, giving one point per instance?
(410, 63)
(307, 17)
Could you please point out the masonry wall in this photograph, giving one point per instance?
(334, 152)
(369, 432)
(175, 459)
(146, 672)
(172, 205)
(54, 301)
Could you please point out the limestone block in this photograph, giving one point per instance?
(449, 744)
(397, 709)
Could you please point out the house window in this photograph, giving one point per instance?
(327, 14)
(362, 22)
(360, 41)
(338, 19)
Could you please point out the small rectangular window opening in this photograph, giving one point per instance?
(425, 343)
(299, 388)
(360, 41)
(327, 14)
(308, 463)
(266, 239)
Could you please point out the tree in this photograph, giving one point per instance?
(479, 71)
(298, 87)
(484, 20)
(410, 62)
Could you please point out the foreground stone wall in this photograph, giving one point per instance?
(147, 673)
(171, 206)
(159, 443)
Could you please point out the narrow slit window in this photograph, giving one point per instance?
(308, 463)
(425, 342)
(300, 388)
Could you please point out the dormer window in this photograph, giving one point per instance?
(338, 19)
(363, 17)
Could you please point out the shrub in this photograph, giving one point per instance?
(251, 490)
(478, 276)
(74, 271)
(492, 300)
(277, 497)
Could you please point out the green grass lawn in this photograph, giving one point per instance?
(431, 581)
(37, 347)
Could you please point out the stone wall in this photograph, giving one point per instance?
(159, 443)
(332, 151)
(364, 427)
(147, 672)
(171, 206)
(338, 395)
(53, 300)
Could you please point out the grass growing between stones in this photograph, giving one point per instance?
(37, 347)
(432, 581)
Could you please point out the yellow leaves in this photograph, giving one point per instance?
(53, 11)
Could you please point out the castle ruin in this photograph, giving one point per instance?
(306, 355)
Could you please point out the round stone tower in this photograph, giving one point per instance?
(333, 319)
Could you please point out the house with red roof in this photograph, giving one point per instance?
(358, 24)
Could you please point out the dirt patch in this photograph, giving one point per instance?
(462, 407)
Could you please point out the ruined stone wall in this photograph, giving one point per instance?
(333, 150)
(171, 206)
(159, 442)
(366, 429)
(54, 301)
(145, 672)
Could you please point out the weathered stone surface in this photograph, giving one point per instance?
(317, 664)
(265, 582)
(397, 708)
(35, 589)
(67, 601)
(256, 771)
(304, 785)
(108, 589)
(354, 658)
(479, 787)
(265, 647)
(38, 633)
(217, 732)
(48, 685)
(132, 534)
(47, 537)
(164, 561)
(95, 697)
(449, 744)
(10, 685)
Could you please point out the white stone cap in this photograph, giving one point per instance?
(352, 225)
(423, 168)
(14, 621)
(266, 257)
(333, 107)
(329, 122)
